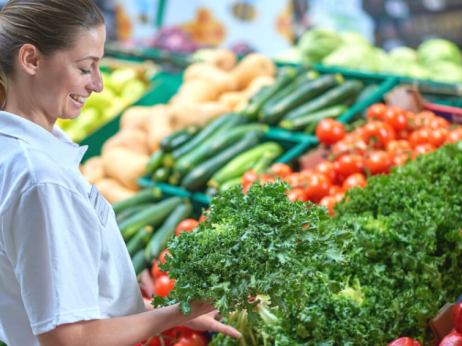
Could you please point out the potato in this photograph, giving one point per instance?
(113, 191)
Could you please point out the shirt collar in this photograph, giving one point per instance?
(57, 144)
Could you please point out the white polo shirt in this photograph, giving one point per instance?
(58, 262)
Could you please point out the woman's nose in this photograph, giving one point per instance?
(97, 82)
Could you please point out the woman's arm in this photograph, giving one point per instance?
(122, 331)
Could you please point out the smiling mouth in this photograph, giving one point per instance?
(78, 98)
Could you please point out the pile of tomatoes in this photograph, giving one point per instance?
(390, 137)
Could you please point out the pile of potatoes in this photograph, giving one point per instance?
(209, 90)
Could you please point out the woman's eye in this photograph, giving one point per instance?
(85, 71)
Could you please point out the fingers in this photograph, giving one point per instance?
(224, 329)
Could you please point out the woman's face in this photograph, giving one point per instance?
(68, 78)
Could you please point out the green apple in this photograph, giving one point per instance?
(101, 100)
(133, 91)
(117, 107)
(120, 77)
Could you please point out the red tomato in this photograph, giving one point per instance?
(280, 169)
(354, 180)
(317, 187)
(192, 339)
(396, 118)
(404, 134)
(457, 317)
(327, 168)
(203, 217)
(422, 149)
(329, 131)
(439, 122)
(350, 142)
(155, 340)
(186, 225)
(359, 131)
(186, 330)
(400, 159)
(398, 146)
(249, 177)
(438, 137)
(163, 285)
(424, 118)
(339, 196)
(452, 340)
(417, 343)
(376, 111)
(421, 136)
(379, 134)
(245, 189)
(454, 136)
(266, 178)
(379, 162)
(296, 179)
(346, 165)
(307, 172)
(411, 122)
(163, 254)
(155, 271)
(329, 202)
(296, 194)
(334, 189)
(402, 342)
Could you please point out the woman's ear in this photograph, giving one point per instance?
(29, 57)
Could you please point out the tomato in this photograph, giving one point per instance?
(453, 330)
(424, 118)
(457, 317)
(404, 134)
(203, 217)
(402, 342)
(186, 225)
(396, 118)
(411, 121)
(186, 330)
(329, 131)
(359, 131)
(334, 189)
(421, 136)
(354, 180)
(155, 271)
(438, 137)
(327, 168)
(307, 172)
(296, 179)
(192, 339)
(346, 165)
(245, 188)
(350, 142)
(329, 202)
(280, 169)
(155, 340)
(339, 196)
(317, 187)
(376, 111)
(398, 146)
(249, 177)
(452, 340)
(379, 134)
(439, 122)
(422, 149)
(163, 285)
(400, 159)
(297, 194)
(266, 178)
(163, 254)
(379, 162)
(454, 136)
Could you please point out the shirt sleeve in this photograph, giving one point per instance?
(52, 238)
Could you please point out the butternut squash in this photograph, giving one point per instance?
(222, 80)
(158, 126)
(135, 117)
(196, 91)
(223, 59)
(93, 169)
(133, 139)
(113, 191)
(184, 115)
(125, 166)
(232, 98)
(252, 66)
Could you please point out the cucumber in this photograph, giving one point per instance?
(139, 262)
(215, 145)
(198, 177)
(265, 93)
(131, 211)
(264, 161)
(304, 93)
(139, 240)
(229, 184)
(313, 118)
(330, 98)
(174, 179)
(155, 161)
(240, 164)
(149, 194)
(158, 241)
(152, 216)
(162, 174)
(178, 138)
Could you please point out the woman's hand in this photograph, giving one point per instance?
(208, 322)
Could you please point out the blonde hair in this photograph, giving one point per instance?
(50, 25)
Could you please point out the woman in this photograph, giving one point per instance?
(65, 275)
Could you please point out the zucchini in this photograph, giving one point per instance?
(264, 161)
(178, 138)
(174, 179)
(149, 194)
(131, 211)
(158, 241)
(265, 93)
(240, 164)
(139, 262)
(152, 216)
(155, 161)
(313, 118)
(215, 145)
(229, 184)
(162, 174)
(330, 98)
(304, 93)
(139, 240)
(198, 177)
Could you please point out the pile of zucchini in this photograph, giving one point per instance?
(146, 223)
(215, 156)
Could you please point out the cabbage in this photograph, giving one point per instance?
(403, 54)
(291, 55)
(353, 38)
(437, 50)
(354, 57)
(446, 72)
(317, 43)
